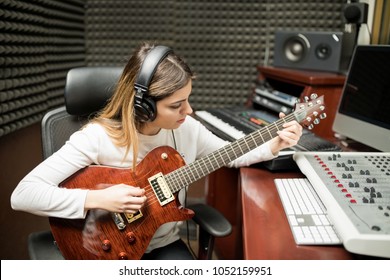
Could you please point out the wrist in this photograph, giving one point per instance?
(92, 199)
(274, 146)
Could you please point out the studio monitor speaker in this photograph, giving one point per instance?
(322, 51)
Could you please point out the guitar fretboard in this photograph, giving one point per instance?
(200, 168)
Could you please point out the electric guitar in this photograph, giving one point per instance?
(162, 173)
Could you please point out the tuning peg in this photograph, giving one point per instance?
(322, 108)
(313, 96)
(322, 116)
(310, 126)
(316, 121)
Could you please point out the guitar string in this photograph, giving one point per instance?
(185, 173)
(174, 176)
(235, 148)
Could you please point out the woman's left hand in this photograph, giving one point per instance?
(288, 137)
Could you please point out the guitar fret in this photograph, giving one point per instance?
(259, 132)
(268, 131)
(277, 128)
(239, 146)
(215, 159)
(235, 155)
(183, 177)
(201, 169)
(211, 164)
(192, 174)
(246, 143)
(227, 154)
(253, 139)
(204, 166)
(196, 170)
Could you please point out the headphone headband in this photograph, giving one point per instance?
(149, 66)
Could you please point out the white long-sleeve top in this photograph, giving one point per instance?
(38, 191)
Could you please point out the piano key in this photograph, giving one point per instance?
(221, 125)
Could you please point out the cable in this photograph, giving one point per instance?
(185, 205)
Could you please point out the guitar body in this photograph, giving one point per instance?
(98, 236)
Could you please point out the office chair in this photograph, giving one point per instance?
(87, 89)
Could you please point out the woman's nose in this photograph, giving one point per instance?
(188, 109)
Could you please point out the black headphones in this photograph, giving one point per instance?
(144, 105)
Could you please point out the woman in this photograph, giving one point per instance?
(122, 135)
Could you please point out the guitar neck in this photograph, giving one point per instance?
(192, 172)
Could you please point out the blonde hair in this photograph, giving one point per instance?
(118, 116)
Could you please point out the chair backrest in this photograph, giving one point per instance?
(87, 90)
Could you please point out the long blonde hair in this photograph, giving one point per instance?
(118, 116)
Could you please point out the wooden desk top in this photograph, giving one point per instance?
(266, 232)
(302, 76)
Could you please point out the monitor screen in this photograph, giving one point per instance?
(364, 109)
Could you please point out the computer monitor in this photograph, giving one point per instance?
(364, 109)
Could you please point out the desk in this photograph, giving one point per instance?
(266, 233)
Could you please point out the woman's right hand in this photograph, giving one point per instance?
(117, 198)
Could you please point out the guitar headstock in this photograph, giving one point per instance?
(310, 112)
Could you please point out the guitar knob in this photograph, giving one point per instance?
(106, 245)
(313, 96)
(322, 116)
(316, 121)
(123, 256)
(130, 237)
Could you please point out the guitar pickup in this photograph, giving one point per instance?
(132, 217)
(161, 189)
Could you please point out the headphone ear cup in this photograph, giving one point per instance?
(144, 106)
(145, 109)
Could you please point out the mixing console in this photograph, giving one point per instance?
(355, 189)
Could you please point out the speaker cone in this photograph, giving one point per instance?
(296, 48)
(323, 51)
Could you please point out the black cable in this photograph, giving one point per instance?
(185, 205)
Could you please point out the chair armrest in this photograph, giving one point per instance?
(211, 220)
(41, 246)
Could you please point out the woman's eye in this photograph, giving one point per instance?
(175, 106)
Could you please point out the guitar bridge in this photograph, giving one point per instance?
(161, 189)
(118, 220)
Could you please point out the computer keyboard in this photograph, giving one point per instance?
(311, 142)
(305, 213)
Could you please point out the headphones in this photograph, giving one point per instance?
(144, 105)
